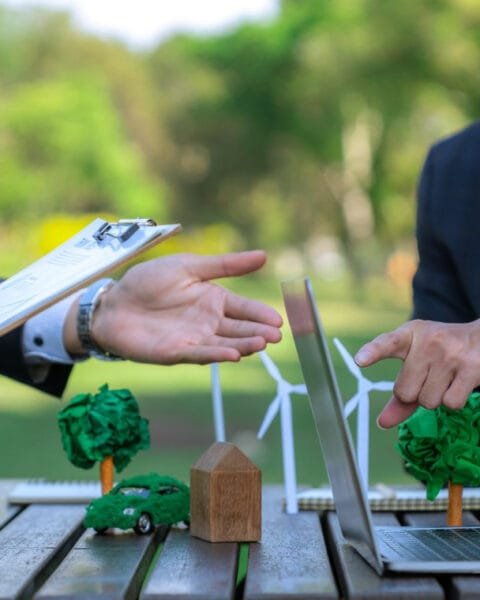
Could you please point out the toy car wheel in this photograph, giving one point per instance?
(101, 530)
(144, 524)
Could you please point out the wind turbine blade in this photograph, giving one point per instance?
(351, 364)
(271, 367)
(300, 388)
(269, 416)
(351, 405)
(383, 386)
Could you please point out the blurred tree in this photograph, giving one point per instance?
(330, 108)
(73, 135)
(64, 149)
(315, 123)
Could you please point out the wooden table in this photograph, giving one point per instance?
(46, 554)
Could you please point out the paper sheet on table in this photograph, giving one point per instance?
(72, 265)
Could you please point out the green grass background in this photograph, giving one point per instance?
(177, 400)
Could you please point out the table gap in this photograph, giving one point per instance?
(403, 517)
(54, 561)
(330, 552)
(242, 567)
(14, 512)
(155, 558)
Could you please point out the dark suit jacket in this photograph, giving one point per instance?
(446, 286)
(13, 365)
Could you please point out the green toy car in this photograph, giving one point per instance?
(141, 503)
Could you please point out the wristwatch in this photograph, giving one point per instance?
(89, 302)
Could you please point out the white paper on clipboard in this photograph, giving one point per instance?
(77, 262)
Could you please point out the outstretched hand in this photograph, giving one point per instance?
(168, 311)
(441, 365)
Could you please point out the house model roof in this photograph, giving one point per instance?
(224, 456)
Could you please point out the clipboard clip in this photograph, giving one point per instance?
(122, 231)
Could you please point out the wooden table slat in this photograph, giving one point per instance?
(291, 557)
(360, 582)
(192, 568)
(7, 511)
(33, 543)
(7, 514)
(103, 566)
(459, 587)
(45, 553)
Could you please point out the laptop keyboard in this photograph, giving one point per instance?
(429, 544)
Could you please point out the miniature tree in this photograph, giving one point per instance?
(105, 427)
(441, 447)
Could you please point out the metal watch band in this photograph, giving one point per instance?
(89, 301)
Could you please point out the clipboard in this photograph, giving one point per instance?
(93, 252)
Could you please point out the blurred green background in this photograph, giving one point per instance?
(303, 134)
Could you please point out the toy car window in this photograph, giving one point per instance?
(167, 489)
(135, 491)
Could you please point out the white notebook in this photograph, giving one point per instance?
(54, 492)
(387, 498)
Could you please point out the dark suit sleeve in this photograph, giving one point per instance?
(12, 364)
(446, 286)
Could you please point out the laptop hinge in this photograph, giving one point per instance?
(367, 554)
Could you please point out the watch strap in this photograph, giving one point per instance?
(89, 301)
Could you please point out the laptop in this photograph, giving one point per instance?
(405, 549)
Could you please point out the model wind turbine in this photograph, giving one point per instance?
(217, 403)
(282, 403)
(361, 402)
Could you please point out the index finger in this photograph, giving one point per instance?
(394, 344)
(204, 268)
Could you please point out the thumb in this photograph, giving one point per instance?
(395, 412)
(394, 344)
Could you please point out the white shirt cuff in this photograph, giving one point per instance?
(43, 335)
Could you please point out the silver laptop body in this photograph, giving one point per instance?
(406, 549)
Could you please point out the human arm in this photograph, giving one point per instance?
(34, 353)
(440, 346)
(13, 364)
(162, 311)
(441, 365)
(444, 286)
(168, 311)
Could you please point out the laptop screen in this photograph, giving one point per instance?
(327, 408)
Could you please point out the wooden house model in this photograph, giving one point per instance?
(225, 492)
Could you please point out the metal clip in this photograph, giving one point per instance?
(132, 226)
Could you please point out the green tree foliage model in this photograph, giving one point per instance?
(442, 447)
(95, 427)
